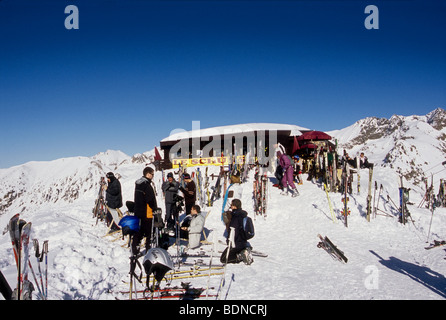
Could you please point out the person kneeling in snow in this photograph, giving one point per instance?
(239, 249)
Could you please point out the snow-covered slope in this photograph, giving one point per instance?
(45, 183)
(387, 260)
(412, 145)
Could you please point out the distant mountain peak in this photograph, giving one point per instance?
(437, 119)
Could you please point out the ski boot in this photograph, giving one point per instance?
(245, 256)
(294, 193)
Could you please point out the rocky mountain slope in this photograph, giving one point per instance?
(412, 145)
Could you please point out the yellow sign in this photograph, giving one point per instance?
(212, 161)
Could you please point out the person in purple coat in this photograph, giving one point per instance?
(287, 179)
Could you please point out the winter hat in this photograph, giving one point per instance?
(170, 175)
(186, 176)
(110, 175)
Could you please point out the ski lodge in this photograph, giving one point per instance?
(216, 145)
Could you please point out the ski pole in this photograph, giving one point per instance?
(222, 281)
(38, 259)
(35, 279)
(430, 224)
(45, 252)
(210, 264)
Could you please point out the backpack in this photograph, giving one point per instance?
(248, 228)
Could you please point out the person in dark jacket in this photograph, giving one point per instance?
(113, 198)
(145, 205)
(240, 249)
(113, 194)
(189, 192)
(170, 189)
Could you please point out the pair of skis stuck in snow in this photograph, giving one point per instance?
(331, 249)
(20, 233)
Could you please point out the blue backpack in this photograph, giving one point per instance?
(248, 228)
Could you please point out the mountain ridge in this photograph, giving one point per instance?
(408, 144)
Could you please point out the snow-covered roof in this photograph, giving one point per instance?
(180, 134)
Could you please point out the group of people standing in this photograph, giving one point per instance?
(145, 206)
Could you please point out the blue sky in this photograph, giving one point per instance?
(135, 70)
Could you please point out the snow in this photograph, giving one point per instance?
(233, 129)
(386, 260)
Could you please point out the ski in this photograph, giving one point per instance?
(374, 200)
(330, 205)
(161, 290)
(195, 255)
(358, 174)
(184, 288)
(14, 227)
(264, 185)
(436, 244)
(225, 200)
(346, 210)
(5, 289)
(260, 193)
(14, 234)
(332, 250)
(98, 209)
(253, 252)
(171, 277)
(198, 262)
(216, 190)
(369, 196)
(210, 265)
(26, 286)
(197, 270)
(178, 296)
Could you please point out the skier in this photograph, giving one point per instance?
(189, 192)
(170, 189)
(287, 180)
(240, 250)
(145, 204)
(192, 227)
(364, 162)
(113, 197)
